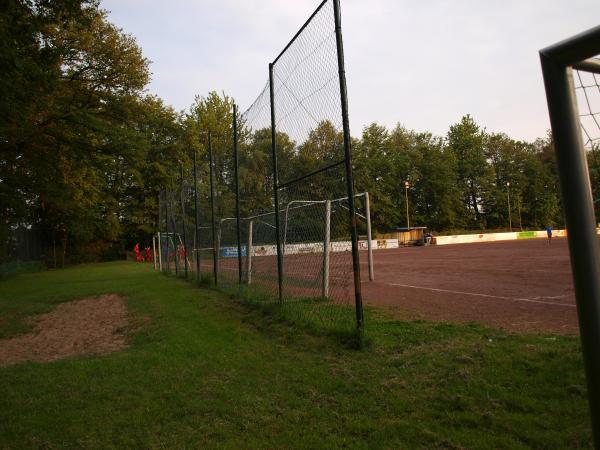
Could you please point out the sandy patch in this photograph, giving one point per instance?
(95, 325)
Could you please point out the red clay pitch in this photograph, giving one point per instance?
(522, 286)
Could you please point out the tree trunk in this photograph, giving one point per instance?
(474, 202)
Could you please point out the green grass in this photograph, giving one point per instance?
(207, 371)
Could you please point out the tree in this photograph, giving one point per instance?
(73, 137)
(436, 196)
(466, 141)
(541, 198)
(507, 159)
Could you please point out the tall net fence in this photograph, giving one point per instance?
(293, 246)
(224, 210)
(198, 228)
(315, 230)
(204, 248)
(259, 228)
(587, 88)
(176, 239)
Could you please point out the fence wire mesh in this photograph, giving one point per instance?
(314, 227)
(174, 257)
(259, 260)
(204, 249)
(224, 206)
(587, 88)
(316, 248)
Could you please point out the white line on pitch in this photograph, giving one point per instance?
(530, 300)
(550, 296)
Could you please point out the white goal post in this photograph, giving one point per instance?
(325, 247)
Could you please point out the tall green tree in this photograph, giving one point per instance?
(436, 196)
(507, 159)
(214, 114)
(74, 129)
(466, 141)
(542, 204)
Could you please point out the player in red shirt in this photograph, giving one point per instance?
(138, 255)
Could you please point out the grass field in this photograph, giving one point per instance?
(207, 371)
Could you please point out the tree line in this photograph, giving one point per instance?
(85, 150)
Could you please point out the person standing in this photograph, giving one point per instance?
(138, 255)
(549, 233)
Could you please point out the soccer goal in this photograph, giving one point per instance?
(571, 70)
(315, 238)
(171, 248)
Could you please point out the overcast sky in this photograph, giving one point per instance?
(423, 64)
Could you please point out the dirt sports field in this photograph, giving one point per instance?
(522, 286)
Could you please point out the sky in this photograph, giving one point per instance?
(423, 64)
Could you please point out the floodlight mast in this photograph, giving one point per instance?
(557, 67)
(508, 202)
(406, 186)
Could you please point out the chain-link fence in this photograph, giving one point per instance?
(259, 226)
(172, 244)
(278, 221)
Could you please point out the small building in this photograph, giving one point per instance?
(406, 236)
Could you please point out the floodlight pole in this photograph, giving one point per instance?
(509, 212)
(557, 62)
(406, 184)
(348, 164)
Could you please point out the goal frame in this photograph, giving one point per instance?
(327, 234)
(558, 62)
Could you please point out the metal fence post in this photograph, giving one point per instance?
(212, 212)
(369, 236)
(326, 242)
(185, 258)
(218, 248)
(159, 253)
(348, 161)
(275, 185)
(168, 234)
(237, 193)
(249, 252)
(196, 233)
(154, 252)
(159, 221)
(174, 232)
